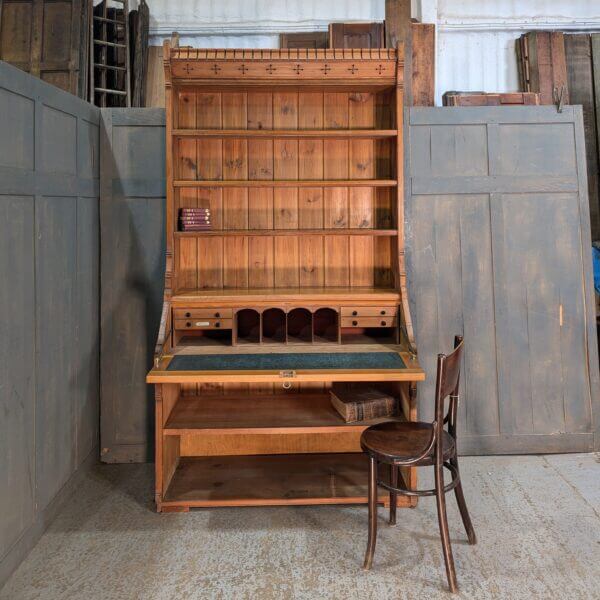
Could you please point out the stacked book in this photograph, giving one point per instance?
(362, 403)
(194, 219)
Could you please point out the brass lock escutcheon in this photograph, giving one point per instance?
(287, 374)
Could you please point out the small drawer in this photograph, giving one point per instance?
(369, 321)
(203, 313)
(203, 323)
(368, 311)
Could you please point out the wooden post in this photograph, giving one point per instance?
(397, 30)
(423, 64)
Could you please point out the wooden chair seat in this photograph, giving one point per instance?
(398, 443)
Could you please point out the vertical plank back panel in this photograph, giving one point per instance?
(49, 296)
(480, 265)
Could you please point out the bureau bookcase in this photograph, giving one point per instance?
(299, 282)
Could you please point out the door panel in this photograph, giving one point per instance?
(508, 269)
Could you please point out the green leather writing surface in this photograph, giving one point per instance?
(284, 362)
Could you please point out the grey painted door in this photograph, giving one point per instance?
(132, 234)
(49, 262)
(498, 249)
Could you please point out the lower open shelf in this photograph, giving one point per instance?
(257, 414)
(271, 480)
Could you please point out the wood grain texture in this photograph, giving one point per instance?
(17, 441)
(543, 67)
(305, 39)
(300, 413)
(292, 174)
(47, 39)
(216, 138)
(504, 273)
(423, 64)
(580, 77)
(134, 218)
(155, 78)
(49, 257)
(274, 477)
(356, 35)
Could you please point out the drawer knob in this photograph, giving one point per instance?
(188, 324)
(217, 324)
(383, 323)
(354, 313)
(217, 315)
(188, 315)
(355, 323)
(383, 312)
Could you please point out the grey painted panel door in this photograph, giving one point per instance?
(498, 247)
(132, 233)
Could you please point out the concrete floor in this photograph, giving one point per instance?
(537, 519)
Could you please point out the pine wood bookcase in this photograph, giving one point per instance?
(298, 155)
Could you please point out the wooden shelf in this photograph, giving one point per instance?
(262, 232)
(271, 480)
(243, 414)
(301, 295)
(187, 346)
(191, 183)
(288, 133)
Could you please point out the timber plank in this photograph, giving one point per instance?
(307, 479)
(17, 355)
(477, 276)
(290, 413)
(55, 272)
(423, 64)
(578, 52)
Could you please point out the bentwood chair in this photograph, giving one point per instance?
(419, 444)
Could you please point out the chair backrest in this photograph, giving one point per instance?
(447, 383)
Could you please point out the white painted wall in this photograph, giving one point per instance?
(475, 38)
(251, 23)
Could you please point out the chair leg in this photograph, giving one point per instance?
(440, 498)
(393, 495)
(372, 513)
(462, 505)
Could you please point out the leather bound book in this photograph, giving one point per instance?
(363, 403)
